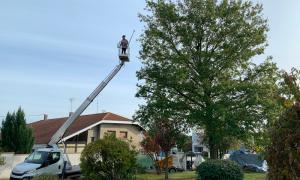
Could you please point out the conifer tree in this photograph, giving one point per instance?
(16, 136)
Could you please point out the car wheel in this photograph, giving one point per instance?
(172, 170)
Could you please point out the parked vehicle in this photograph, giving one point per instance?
(178, 161)
(249, 161)
(44, 161)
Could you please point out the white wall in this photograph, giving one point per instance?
(12, 159)
(197, 140)
(74, 158)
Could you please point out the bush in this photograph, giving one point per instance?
(46, 177)
(284, 151)
(108, 158)
(219, 170)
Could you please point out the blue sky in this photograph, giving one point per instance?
(53, 50)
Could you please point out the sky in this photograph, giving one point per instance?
(54, 50)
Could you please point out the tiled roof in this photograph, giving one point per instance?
(43, 130)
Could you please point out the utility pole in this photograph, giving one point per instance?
(97, 106)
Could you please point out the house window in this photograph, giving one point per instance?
(111, 133)
(123, 134)
(92, 139)
(198, 149)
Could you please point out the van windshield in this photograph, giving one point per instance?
(37, 157)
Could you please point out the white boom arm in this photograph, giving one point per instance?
(61, 131)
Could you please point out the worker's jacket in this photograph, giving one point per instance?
(124, 43)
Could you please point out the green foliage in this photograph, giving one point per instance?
(108, 158)
(46, 177)
(283, 153)
(290, 87)
(16, 136)
(219, 170)
(184, 142)
(197, 68)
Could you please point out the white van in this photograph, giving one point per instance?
(43, 161)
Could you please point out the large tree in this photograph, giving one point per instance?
(197, 64)
(15, 135)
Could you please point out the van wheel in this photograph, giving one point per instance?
(172, 170)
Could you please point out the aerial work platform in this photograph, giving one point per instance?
(124, 56)
(124, 49)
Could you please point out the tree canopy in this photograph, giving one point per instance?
(197, 67)
(15, 135)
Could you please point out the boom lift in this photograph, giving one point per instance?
(51, 159)
(61, 131)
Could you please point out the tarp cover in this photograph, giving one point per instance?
(144, 161)
(247, 160)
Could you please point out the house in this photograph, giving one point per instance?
(198, 147)
(87, 128)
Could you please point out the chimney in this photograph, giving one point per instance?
(45, 116)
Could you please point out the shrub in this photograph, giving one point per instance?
(219, 170)
(46, 177)
(108, 158)
(284, 151)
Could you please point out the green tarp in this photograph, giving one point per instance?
(144, 161)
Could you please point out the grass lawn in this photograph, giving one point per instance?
(180, 175)
(189, 175)
(255, 176)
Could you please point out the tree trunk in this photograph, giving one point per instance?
(213, 152)
(213, 149)
(157, 168)
(166, 163)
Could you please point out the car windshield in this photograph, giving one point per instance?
(37, 157)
